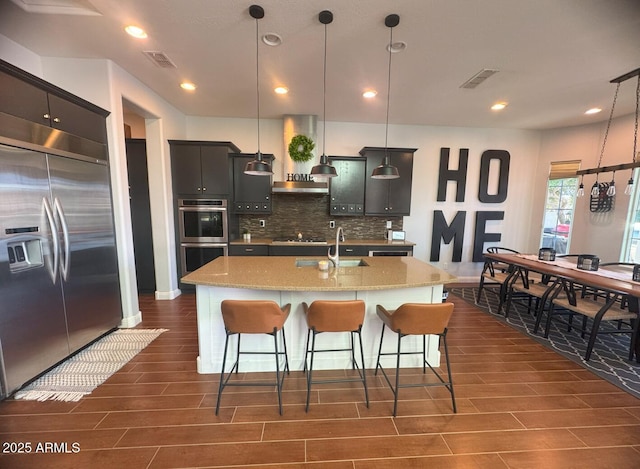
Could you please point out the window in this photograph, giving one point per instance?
(559, 206)
(631, 245)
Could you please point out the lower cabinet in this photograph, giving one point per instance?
(298, 250)
(248, 250)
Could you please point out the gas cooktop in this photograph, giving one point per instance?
(296, 240)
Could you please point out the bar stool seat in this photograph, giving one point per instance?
(334, 316)
(254, 317)
(416, 319)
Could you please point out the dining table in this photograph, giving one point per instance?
(608, 280)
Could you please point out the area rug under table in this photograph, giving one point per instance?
(83, 372)
(609, 359)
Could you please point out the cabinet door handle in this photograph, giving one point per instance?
(248, 250)
(349, 250)
(204, 189)
(56, 120)
(46, 116)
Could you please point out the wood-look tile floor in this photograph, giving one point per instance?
(520, 405)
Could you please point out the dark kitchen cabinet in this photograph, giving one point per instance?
(347, 190)
(388, 196)
(299, 250)
(353, 250)
(248, 250)
(200, 168)
(26, 96)
(251, 194)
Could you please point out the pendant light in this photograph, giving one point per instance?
(324, 169)
(629, 189)
(386, 170)
(257, 167)
(607, 191)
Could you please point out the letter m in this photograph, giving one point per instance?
(446, 232)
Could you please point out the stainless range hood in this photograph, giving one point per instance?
(296, 175)
(300, 187)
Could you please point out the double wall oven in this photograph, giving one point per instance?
(204, 235)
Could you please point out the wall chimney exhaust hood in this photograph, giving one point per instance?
(296, 174)
(300, 187)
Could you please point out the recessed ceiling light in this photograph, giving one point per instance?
(272, 39)
(370, 94)
(499, 106)
(136, 31)
(185, 85)
(281, 90)
(593, 110)
(396, 47)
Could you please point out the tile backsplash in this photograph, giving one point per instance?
(309, 214)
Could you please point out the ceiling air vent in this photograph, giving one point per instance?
(478, 78)
(160, 59)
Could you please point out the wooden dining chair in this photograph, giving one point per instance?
(604, 306)
(530, 292)
(496, 274)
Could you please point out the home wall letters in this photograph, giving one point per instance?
(443, 231)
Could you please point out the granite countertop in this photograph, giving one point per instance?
(330, 242)
(281, 273)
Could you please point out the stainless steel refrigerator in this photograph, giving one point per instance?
(59, 286)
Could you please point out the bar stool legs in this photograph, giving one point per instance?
(417, 319)
(224, 381)
(253, 317)
(335, 316)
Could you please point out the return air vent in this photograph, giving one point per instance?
(160, 59)
(478, 78)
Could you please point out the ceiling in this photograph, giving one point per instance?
(555, 57)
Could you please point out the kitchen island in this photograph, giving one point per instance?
(389, 281)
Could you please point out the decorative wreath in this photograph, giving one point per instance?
(300, 148)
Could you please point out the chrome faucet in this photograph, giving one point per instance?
(335, 259)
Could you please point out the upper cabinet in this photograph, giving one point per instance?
(26, 96)
(200, 168)
(251, 194)
(347, 190)
(388, 196)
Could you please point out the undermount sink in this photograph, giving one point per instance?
(343, 263)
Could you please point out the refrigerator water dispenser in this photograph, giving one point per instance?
(24, 255)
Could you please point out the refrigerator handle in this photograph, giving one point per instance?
(53, 272)
(64, 264)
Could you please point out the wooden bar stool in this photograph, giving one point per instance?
(254, 317)
(334, 316)
(416, 319)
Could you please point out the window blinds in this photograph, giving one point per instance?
(563, 169)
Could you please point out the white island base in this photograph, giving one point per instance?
(211, 332)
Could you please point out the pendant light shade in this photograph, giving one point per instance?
(257, 167)
(386, 170)
(324, 169)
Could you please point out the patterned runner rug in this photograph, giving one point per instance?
(83, 372)
(609, 359)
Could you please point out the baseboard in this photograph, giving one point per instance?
(131, 321)
(168, 295)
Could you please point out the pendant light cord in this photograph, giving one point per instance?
(606, 132)
(324, 93)
(635, 130)
(258, 86)
(386, 132)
